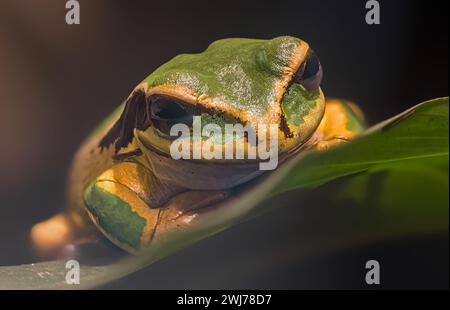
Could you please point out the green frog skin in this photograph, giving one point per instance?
(123, 183)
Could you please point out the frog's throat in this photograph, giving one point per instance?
(274, 115)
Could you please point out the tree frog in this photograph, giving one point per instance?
(125, 184)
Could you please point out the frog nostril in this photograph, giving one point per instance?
(310, 72)
(166, 112)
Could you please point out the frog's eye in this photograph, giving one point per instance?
(166, 112)
(310, 72)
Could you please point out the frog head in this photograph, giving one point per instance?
(256, 83)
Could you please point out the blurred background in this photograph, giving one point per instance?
(57, 82)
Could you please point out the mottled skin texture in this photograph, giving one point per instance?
(137, 198)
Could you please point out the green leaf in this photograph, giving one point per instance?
(396, 174)
(408, 197)
(419, 133)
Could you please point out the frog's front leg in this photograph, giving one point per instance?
(122, 202)
(342, 122)
(132, 207)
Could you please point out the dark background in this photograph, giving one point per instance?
(58, 81)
